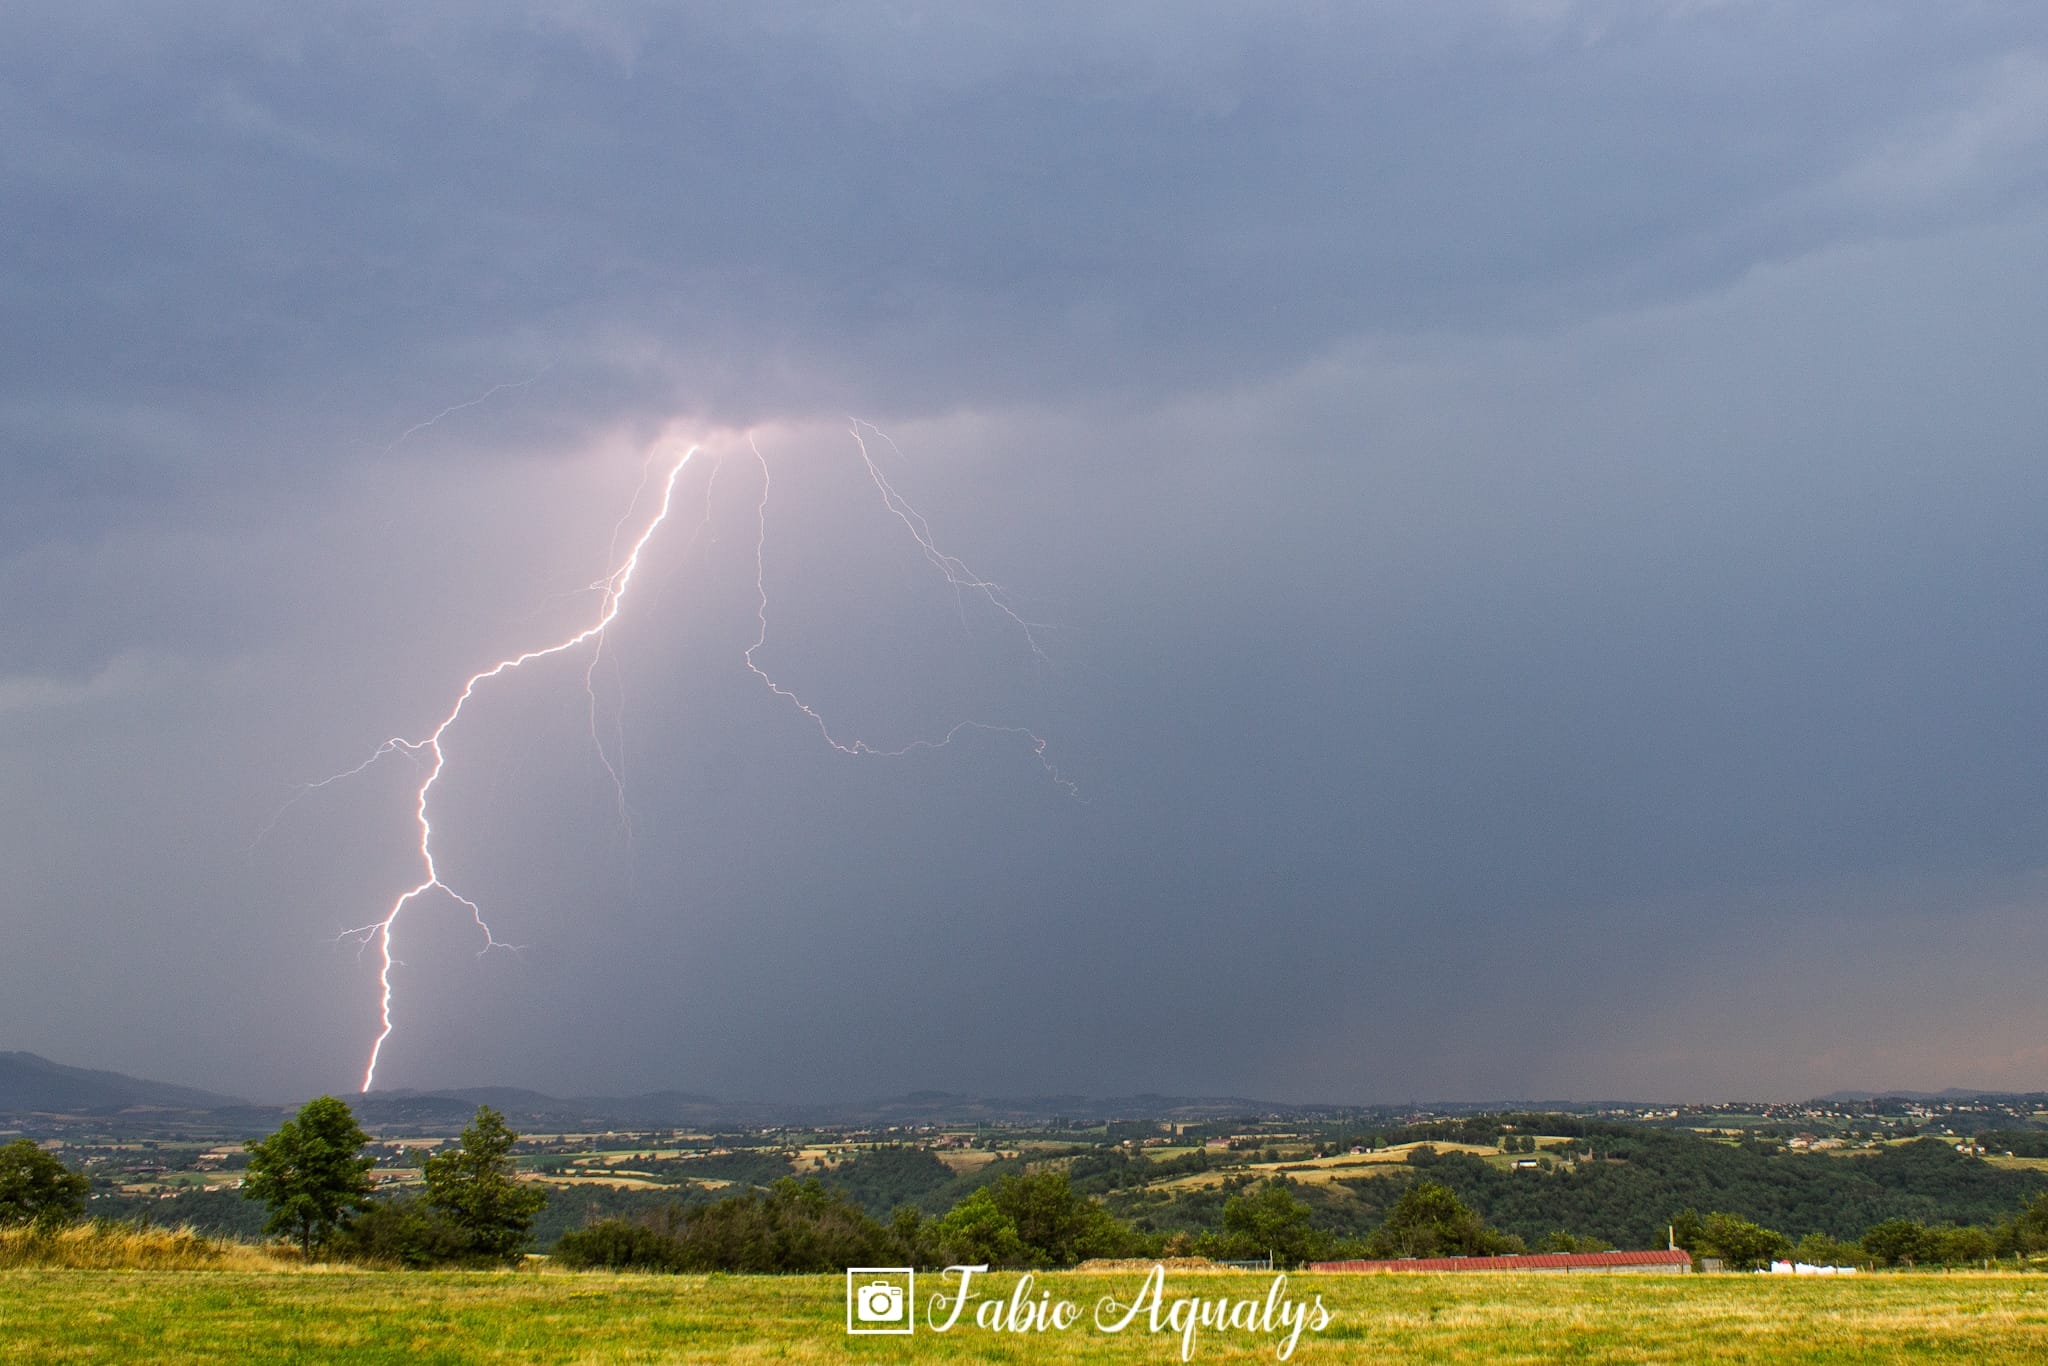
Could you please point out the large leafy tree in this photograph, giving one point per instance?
(1429, 1220)
(2028, 1231)
(1268, 1220)
(1035, 1219)
(474, 1187)
(1899, 1242)
(311, 1172)
(1059, 1225)
(977, 1232)
(36, 1188)
(1743, 1245)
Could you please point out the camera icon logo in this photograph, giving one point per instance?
(881, 1299)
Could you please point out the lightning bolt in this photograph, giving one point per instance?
(963, 579)
(959, 575)
(609, 588)
(612, 591)
(455, 408)
(379, 932)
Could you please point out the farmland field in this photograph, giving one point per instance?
(358, 1316)
(2023, 1164)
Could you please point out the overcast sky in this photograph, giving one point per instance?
(1534, 514)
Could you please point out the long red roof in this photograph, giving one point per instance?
(1534, 1261)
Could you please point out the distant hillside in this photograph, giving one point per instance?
(535, 1112)
(34, 1085)
(1644, 1176)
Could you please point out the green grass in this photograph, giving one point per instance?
(56, 1315)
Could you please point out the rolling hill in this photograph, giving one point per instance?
(34, 1085)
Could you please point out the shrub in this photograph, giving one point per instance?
(795, 1226)
(405, 1232)
(621, 1245)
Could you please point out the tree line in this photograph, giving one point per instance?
(1028, 1220)
(1622, 1185)
(470, 1209)
(1038, 1220)
(314, 1177)
(1742, 1245)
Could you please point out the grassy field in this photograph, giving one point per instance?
(1316, 1171)
(2020, 1164)
(356, 1316)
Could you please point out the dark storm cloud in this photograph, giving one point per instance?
(1543, 500)
(743, 208)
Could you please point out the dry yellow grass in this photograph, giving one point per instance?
(811, 1161)
(968, 1159)
(124, 1247)
(2030, 1164)
(619, 1183)
(1316, 1171)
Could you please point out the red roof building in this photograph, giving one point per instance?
(1677, 1260)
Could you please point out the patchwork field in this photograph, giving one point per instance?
(355, 1316)
(1315, 1171)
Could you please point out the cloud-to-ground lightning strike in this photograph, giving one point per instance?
(379, 931)
(612, 591)
(609, 588)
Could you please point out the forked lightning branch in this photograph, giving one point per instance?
(614, 592)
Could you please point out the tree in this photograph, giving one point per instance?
(1817, 1249)
(2028, 1230)
(310, 1172)
(1961, 1246)
(35, 1188)
(1741, 1245)
(1036, 1219)
(1270, 1220)
(1898, 1242)
(1429, 1220)
(909, 1227)
(975, 1232)
(473, 1185)
(1058, 1224)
